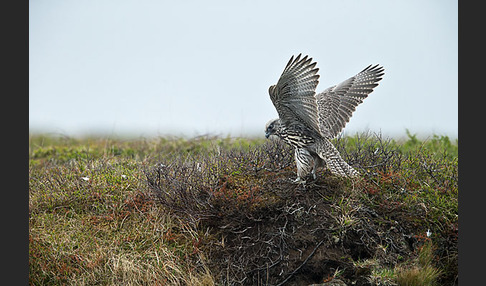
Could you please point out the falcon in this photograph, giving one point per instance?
(308, 121)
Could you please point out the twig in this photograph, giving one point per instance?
(303, 263)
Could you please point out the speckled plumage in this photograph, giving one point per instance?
(308, 120)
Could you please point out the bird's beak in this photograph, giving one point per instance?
(267, 135)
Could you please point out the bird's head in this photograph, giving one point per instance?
(272, 127)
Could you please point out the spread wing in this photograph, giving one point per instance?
(294, 94)
(337, 103)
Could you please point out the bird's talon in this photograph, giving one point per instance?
(298, 181)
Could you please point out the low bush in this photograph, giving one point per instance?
(224, 211)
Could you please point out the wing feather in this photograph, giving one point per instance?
(336, 104)
(294, 94)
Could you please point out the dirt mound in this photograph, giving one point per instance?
(261, 229)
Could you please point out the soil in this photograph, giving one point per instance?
(295, 237)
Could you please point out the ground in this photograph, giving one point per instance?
(224, 211)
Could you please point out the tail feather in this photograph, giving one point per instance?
(333, 159)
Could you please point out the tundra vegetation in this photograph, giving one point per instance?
(224, 211)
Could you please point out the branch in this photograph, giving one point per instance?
(303, 263)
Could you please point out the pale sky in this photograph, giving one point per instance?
(188, 68)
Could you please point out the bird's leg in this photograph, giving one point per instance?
(317, 162)
(303, 160)
(299, 181)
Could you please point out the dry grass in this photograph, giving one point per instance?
(214, 211)
(423, 271)
(91, 221)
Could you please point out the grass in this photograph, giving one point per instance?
(219, 211)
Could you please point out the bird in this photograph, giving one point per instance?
(309, 120)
